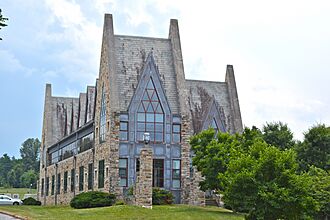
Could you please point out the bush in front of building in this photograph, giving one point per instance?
(161, 197)
(31, 201)
(120, 202)
(92, 199)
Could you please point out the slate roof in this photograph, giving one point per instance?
(131, 53)
(201, 94)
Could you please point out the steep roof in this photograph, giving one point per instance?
(130, 54)
(65, 115)
(201, 96)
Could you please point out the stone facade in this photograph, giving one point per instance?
(93, 142)
(143, 185)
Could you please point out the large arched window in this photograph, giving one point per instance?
(150, 115)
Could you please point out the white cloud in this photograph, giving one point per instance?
(279, 49)
(12, 65)
(80, 58)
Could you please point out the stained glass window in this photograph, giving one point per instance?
(101, 174)
(47, 186)
(214, 126)
(81, 178)
(150, 115)
(176, 173)
(58, 184)
(90, 176)
(72, 180)
(123, 171)
(176, 133)
(103, 117)
(65, 182)
(53, 185)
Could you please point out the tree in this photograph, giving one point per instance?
(254, 176)
(212, 155)
(14, 175)
(315, 148)
(321, 191)
(29, 177)
(263, 182)
(278, 135)
(2, 21)
(5, 166)
(30, 154)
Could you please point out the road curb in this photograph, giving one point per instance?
(13, 215)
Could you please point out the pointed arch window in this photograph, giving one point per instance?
(150, 115)
(102, 117)
(214, 126)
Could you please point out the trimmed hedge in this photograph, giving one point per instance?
(31, 201)
(161, 197)
(92, 199)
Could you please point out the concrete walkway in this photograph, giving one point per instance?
(7, 217)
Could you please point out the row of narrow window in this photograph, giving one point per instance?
(76, 147)
(73, 180)
(158, 176)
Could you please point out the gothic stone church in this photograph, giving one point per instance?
(93, 142)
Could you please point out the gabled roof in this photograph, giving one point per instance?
(201, 96)
(131, 55)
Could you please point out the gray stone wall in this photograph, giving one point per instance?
(233, 97)
(196, 195)
(61, 197)
(108, 150)
(143, 186)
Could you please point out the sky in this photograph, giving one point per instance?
(280, 51)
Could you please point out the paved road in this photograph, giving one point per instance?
(6, 217)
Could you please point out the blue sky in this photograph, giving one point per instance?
(280, 51)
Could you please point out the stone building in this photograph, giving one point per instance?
(93, 142)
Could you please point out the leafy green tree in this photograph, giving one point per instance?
(321, 191)
(5, 166)
(315, 148)
(212, 155)
(2, 21)
(263, 182)
(278, 135)
(30, 154)
(29, 177)
(254, 176)
(14, 175)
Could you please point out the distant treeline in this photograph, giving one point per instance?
(23, 172)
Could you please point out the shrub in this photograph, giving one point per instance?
(120, 202)
(161, 197)
(130, 191)
(31, 201)
(92, 199)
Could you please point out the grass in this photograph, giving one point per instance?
(20, 191)
(122, 212)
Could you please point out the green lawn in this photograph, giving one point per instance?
(20, 191)
(176, 212)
